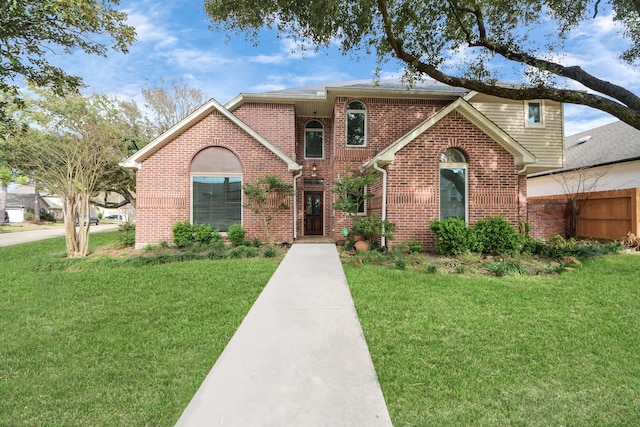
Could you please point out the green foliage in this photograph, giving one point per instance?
(453, 236)
(504, 268)
(35, 28)
(202, 234)
(182, 234)
(186, 234)
(29, 216)
(400, 263)
(269, 253)
(236, 234)
(350, 190)
(414, 247)
(258, 194)
(127, 234)
(559, 247)
(242, 252)
(431, 269)
(423, 34)
(371, 227)
(46, 216)
(496, 236)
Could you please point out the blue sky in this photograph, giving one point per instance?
(175, 42)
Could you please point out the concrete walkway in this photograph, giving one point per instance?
(299, 357)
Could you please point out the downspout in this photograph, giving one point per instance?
(295, 205)
(383, 240)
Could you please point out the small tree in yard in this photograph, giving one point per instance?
(265, 196)
(351, 193)
(578, 186)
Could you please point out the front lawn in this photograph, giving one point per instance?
(114, 345)
(453, 350)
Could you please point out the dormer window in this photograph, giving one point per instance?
(356, 124)
(314, 140)
(534, 114)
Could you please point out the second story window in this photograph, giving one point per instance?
(356, 124)
(533, 114)
(313, 140)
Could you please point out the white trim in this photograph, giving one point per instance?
(346, 117)
(305, 139)
(183, 125)
(529, 124)
(520, 154)
(219, 175)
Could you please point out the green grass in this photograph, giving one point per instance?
(123, 346)
(560, 350)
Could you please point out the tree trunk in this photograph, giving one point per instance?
(3, 200)
(36, 204)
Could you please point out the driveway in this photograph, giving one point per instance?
(15, 238)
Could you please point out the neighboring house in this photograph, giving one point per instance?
(602, 167)
(21, 200)
(440, 151)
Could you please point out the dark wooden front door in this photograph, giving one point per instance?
(313, 213)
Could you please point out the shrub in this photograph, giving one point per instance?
(46, 216)
(370, 227)
(414, 247)
(497, 236)
(127, 234)
(269, 253)
(453, 236)
(503, 268)
(182, 234)
(236, 234)
(202, 234)
(400, 263)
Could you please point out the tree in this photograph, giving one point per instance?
(171, 103)
(32, 29)
(578, 186)
(266, 195)
(427, 35)
(73, 150)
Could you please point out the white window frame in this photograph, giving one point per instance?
(313, 130)
(216, 175)
(354, 111)
(529, 124)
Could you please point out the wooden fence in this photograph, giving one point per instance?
(604, 214)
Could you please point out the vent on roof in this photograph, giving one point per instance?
(583, 139)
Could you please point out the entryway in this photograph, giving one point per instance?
(313, 213)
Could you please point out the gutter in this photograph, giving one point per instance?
(295, 204)
(383, 240)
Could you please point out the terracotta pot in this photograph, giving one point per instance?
(362, 245)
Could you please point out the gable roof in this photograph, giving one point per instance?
(318, 100)
(613, 143)
(521, 155)
(176, 130)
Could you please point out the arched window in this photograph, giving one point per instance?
(454, 186)
(313, 140)
(216, 188)
(356, 124)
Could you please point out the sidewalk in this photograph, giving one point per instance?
(299, 358)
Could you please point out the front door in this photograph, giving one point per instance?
(313, 213)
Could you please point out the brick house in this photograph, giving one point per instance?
(440, 151)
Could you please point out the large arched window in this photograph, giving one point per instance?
(454, 186)
(356, 124)
(216, 188)
(313, 140)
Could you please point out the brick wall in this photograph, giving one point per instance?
(414, 179)
(164, 182)
(548, 216)
(413, 186)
